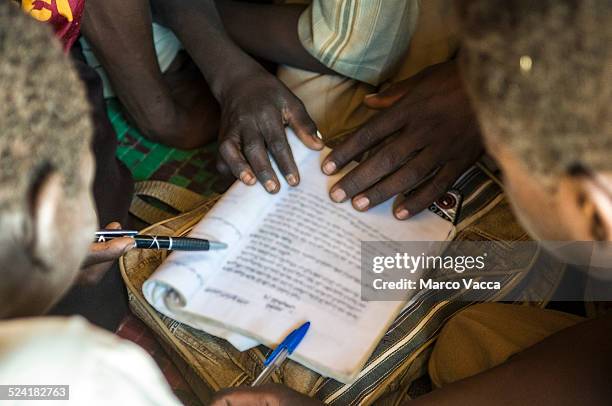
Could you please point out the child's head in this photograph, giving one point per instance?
(540, 77)
(47, 217)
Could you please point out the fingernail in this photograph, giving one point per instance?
(247, 177)
(361, 202)
(129, 247)
(319, 136)
(402, 214)
(271, 186)
(292, 179)
(329, 167)
(367, 96)
(338, 195)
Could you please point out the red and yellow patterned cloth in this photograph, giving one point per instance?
(63, 15)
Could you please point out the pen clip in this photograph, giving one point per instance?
(115, 233)
(103, 235)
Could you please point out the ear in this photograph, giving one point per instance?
(586, 206)
(599, 195)
(46, 205)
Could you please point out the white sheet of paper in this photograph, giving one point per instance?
(292, 257)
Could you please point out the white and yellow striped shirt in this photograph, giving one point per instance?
(364, 40)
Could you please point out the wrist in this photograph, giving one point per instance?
(198, 26)
(230, 78)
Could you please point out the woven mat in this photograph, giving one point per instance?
(147, 160)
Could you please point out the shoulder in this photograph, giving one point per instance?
(98, 366)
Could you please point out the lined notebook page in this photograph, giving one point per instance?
(293, 257)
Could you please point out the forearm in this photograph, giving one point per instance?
(120, 34)
(198, 26)
(571, 367)
(269, 31)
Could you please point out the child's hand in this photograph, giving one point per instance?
(102, 255)
(270, 394)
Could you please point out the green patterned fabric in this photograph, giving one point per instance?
(147, 160)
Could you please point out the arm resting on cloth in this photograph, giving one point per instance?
(571, 367)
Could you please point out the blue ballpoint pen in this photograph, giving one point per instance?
(280, 353)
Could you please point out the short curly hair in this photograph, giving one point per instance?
(45, 121)
(540, 76)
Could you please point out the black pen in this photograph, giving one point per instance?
(161, 242)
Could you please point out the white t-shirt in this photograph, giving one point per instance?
(101, 369)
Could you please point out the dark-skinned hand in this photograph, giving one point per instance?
(265, 395)
(425, 136)
(255, 105)
(254, 113)
(102, 255)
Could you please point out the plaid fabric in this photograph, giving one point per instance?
(147, 160)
